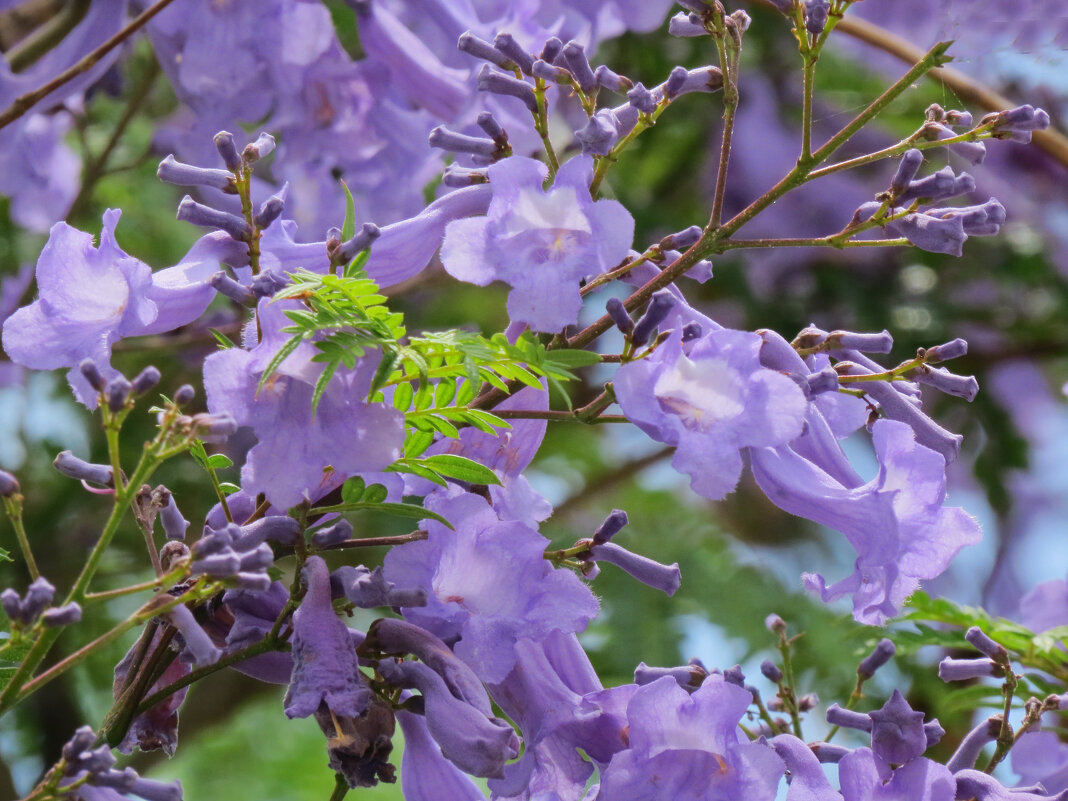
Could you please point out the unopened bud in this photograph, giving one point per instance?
(145, 380)
(224, 143)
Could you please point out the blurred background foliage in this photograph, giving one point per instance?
(741, 558)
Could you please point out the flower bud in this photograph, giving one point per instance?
(92, 374)
(882, 653)
(642, 99)
(611, 526)
(659, 306)
(332, 535)
(496, 82)
(686, 25)
(481, 49)
(963, 669)
(184, 394)
(734, 675)
(579, 66)
(364, 238)
(441, 137)
(775, 624)
(619, 315)
(982, 643)
(224, 143)
(488, 123)
(179, 174)
(71, 466)
(665, 578)
(261, 148)
(270, 210)
(612, 81)
(118, 393)
(507, 45)
(198, 214)
(906, 171)
(771, 671)
(62, 615)
(689, 677)
(145, 380)
(953, 349)
(225, 285)
(9, 485)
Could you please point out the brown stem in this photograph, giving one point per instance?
(24, 103)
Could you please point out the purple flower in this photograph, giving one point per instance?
(897, 734)
(488, 584)
(325, 670)
(688, 746)
(295, 448)
(426, 775)
(865, 777)
(541, 243)
(710, 397)
(896, 521)
(156, 727)
(90, 297)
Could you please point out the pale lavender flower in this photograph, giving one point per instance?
(711, 398)
(426, 775)
(865, 777)
(539, 242)
(896, 522)
(527, 598)
(295, 447)
(687, 745)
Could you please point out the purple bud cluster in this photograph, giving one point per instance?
(93, 769)
(36, 605)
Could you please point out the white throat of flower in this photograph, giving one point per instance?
(702, 395)
(556, 215)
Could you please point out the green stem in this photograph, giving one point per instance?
(788, 687)
(541, 125)
(854, 699)
(1005, 739)
(13, 507)
(341, 788)
(23, 103)
(913, 142)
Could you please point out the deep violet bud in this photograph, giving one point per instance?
(665, 578)
(9, 485)
(179, 174)
(270, 210)
(332, 535)
(506, 44)
(266, 283)
(682, 81)
(456, 176)
(599, 134)
(575, 55)
(771, 671)
(953, 349)
(495, 81)
(734, 675)
(973, 152)
(280, 528)
(897, 734)
(197, 643)
(970, 747)
(174, 525)
(880, 655)
(118, 393)
(91, 371)
(689, 677)
(260, 149)
(224, 143)
(939, 185)
(1018, 123)
(552, 49)
(225, 285)
(906, 171)
(198, 214)
(11, 604)
(847, 718)
(441, 137)
(686, 25)
(681, 240)
(184, 394)
(71, 466)
(364, 238)
(642, 99)
(619, 315)
(934, 732)
(830, 753)
(982, 643)
(213, 427)
(488, 123)
(152, 790)
(82, 741)
(62, 615)
(480, 48)
(218, 565)
(659, 306)
(963, 669)
(816, 12)
(692, 331)
(984, 219)
(611, 526)
(961, 386)
(612, 81)
(145, 381)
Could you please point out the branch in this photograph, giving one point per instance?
(24, 103)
